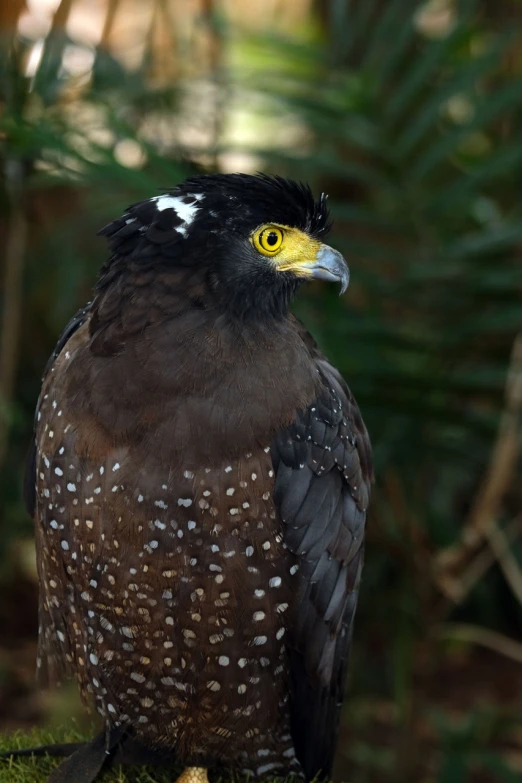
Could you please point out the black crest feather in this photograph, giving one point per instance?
(225, 202)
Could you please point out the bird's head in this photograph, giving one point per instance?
(246, 241)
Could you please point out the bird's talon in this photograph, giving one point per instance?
(193, 775)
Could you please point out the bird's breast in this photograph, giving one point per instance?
(179, 589)
(188, 396)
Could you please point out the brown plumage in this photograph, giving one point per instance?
(201, 476)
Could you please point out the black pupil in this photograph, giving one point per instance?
(272, 239)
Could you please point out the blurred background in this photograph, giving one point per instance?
(409, 114)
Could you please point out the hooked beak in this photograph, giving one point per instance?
(329, 265)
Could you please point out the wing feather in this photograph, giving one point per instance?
(323, 476)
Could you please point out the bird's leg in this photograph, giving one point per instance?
(193, 775)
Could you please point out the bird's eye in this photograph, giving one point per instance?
(268, 240)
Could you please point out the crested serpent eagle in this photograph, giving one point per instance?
(199, 480)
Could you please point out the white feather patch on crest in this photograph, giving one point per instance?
(185, 212)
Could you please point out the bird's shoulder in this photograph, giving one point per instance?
(74, 334)
(333, 415)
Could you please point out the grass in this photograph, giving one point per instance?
(37, 770)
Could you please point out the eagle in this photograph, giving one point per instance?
(199, 480)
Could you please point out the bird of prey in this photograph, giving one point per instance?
(199, 481)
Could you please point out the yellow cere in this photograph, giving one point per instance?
(289, 247)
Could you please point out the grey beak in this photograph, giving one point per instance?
(330, 265)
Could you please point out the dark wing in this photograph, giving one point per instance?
(323, 476)
(30, 467)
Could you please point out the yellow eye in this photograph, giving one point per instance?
(268, 240)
